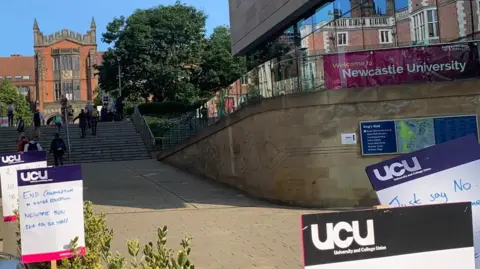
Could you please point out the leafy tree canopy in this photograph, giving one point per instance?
(218, 68)
(158, 49)
(9, 94)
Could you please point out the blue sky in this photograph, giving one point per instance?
(54, 15)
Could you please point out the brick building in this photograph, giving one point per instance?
(421, 22)
(63, 64)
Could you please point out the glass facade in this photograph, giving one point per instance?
(363, 43)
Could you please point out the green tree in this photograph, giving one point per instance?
(158, 50)
(267, 52)
(218, 68)
(98, 97)
(9, 94)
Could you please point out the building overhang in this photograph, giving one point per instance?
(253, 24)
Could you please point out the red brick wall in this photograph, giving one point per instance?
(403, 32)
(47, 93)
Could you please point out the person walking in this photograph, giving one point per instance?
(82, 118)
(33, 145)
(94, 121)
(58, 123)
(57, 147)
(21, 143)
(204, 114)
(10, 113)
(119, 108)
(37, 122)
(20, 126)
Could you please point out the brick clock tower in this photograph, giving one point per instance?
(64, 66)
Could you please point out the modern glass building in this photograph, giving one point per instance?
(349, 43)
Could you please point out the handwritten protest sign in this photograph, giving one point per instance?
(419, 237)
(445, 173)
(9, 165)
(51, 212)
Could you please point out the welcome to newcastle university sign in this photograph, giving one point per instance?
(401, 65)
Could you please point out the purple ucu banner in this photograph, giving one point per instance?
(423, 162)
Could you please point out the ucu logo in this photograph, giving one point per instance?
(34, 175)
(397, 169)
(11, 159)
(333, 235)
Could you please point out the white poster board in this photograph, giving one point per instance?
(9, 164)
(51, 212)
(445, 173)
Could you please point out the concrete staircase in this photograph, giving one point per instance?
(115, 141)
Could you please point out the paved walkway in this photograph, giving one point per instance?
(229, 230)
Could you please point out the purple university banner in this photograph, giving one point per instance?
(401, 65)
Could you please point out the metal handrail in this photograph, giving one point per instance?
(143, 127)
(68, 136)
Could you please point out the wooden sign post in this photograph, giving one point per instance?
(53, 264)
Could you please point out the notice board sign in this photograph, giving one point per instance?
(9, 165)
(408, 135)
(419, 237)
(445, 173)
(51, 212)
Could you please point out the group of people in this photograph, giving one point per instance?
(88, 118)
(57, 147)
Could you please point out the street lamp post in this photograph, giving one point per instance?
(119, 77)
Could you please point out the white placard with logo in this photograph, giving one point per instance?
(444, 173)
(51, 212)
(9, 165)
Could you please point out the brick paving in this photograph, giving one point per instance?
(229, 230)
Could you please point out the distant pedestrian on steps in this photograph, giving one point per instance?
(82, 123)
(21, 143)
(57, 147)
(33, 145)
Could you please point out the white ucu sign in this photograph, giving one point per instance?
(11, 159)
(397, 169)
(333, 235)
(34, 175)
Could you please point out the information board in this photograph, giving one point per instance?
(408, 135)
(51, 212)
(9, 165)
(419, 237)
(444, 173)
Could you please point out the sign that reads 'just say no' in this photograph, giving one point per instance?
(51, 212)
(444, 173)
(9, 165)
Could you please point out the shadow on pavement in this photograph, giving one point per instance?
(146, 185)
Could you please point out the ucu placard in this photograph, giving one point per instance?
(397, 169)
(21, 158)
(10, 159)
(421, 163)
(34, 175)
(334, 240)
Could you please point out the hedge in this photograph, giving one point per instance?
(168, 107)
